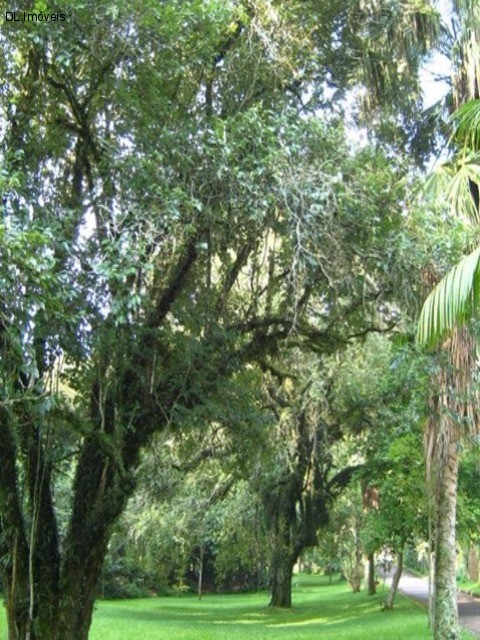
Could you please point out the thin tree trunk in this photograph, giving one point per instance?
(431, 567)
(371, 587)
(446, 625)
(358, 568)
(200, 571)
(388, 604)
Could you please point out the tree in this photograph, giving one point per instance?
(401, 516)
(347, 523)
(299, 483)
(446, 308)
(136, 238)
(383, 413)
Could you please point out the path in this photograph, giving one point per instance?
(468, 607)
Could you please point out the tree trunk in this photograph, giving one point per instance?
(65, 617)
(388, 604)
(49, 597)
(63, 627)
(453, 406)
(445, 589)
(353, 566)
(281, 576)
(355, 580)
(371, 586)
(16, 604)
(200, 571)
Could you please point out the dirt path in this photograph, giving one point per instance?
(468, 607)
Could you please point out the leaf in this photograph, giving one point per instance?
(459, 192)
(438, 181)
(453, 301)
(467, 120)
(40, 6)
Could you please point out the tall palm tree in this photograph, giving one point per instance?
(453, 414)
(446, 310)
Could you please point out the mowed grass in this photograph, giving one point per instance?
(329, 612)
(320, 610)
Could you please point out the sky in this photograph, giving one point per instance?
(439, 65)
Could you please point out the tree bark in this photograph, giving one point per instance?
(454, 405)
(446, 625)
(372, 586)
(388, 604)
(281, 576)
(200, 570)
(51, 596)
(353, 566)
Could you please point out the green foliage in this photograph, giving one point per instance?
(401, 516)
(467, 121)
(239, 539)
(125, 578)
(345, 527)
(195, 498)
(381, 391)
(364, 377)
(468, 503)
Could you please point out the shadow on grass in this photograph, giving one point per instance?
(331, 609)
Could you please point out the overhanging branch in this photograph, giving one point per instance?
(174, 287)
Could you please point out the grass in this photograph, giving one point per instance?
(320, 610)
(473, 588)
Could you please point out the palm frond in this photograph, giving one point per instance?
(438, 181)
(466, 121)
(454, 181)
(453, 301)
(459, 191)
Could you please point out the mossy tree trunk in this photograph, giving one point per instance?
(445, 608)
(281, 580)
(453, 410)
(372, 585)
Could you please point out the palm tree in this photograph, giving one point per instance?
(453, 414)
(445, 313)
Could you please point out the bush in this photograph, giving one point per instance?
(125, 579)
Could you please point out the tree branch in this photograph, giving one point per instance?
(232, 275)
(174, 288)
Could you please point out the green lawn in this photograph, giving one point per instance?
(473, 588)
(320, 611)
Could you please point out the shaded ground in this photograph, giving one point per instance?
(468, 607)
